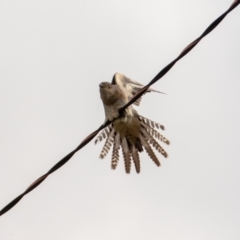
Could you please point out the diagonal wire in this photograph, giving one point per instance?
(181, 55)
(139, 94)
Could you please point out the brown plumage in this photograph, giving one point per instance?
(131, 132)
(115, 152)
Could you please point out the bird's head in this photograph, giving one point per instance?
(109, 93)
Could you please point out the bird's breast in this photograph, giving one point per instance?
(128, 126)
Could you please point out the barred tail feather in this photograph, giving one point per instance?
(149, 150)
(107, 145)
(126, 155)
(154, 143)
(155, 133)
(115, 152)
(150, 123)
(103, 134)
(136, 159)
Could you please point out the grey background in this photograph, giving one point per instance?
(53, 55)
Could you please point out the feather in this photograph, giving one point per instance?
(154, 143)
(103, 134)
(126, 155)
(136, 159)
(115, 152)
(129, 86)
(107, 145)
(150, 123)
(149, 150)
(155, 133)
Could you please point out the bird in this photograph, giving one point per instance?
(129, 131)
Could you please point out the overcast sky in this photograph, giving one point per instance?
(54, 54)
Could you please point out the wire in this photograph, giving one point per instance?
(139, 94)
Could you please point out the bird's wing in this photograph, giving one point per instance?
(129, 86)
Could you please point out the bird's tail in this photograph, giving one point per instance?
(148, 138)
